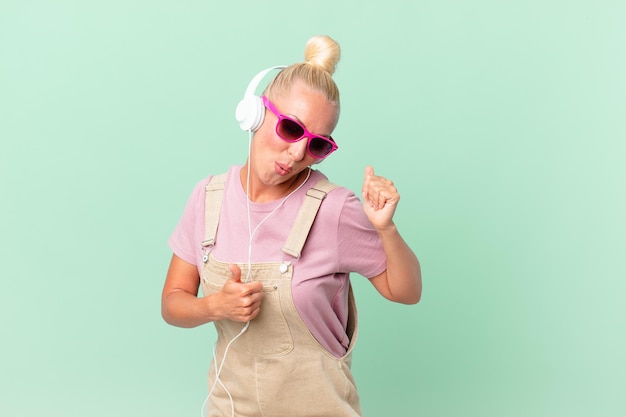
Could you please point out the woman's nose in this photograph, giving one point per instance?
(297, 150)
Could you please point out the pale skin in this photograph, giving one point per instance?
(276, 168)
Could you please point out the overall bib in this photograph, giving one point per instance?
(277, 367)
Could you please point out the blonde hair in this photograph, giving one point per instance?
(321, 56)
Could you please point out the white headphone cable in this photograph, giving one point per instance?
(218, 370)
(250, 231)
(251, 234)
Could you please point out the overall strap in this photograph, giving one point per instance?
(214, 194)
(306, 217)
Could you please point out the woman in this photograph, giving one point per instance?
(272, 244)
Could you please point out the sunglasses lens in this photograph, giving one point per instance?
(320, 147)
(290, 130)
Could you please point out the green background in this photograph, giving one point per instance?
(501, 122)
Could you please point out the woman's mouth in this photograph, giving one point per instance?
(282, 169)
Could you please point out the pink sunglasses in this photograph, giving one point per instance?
(291, 130)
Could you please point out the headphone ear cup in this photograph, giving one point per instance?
(250, 113)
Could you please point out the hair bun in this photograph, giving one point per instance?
(322, 51)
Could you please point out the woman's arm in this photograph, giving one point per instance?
(181, 306)
(402, 280)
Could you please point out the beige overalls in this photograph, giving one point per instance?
(277, 367)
